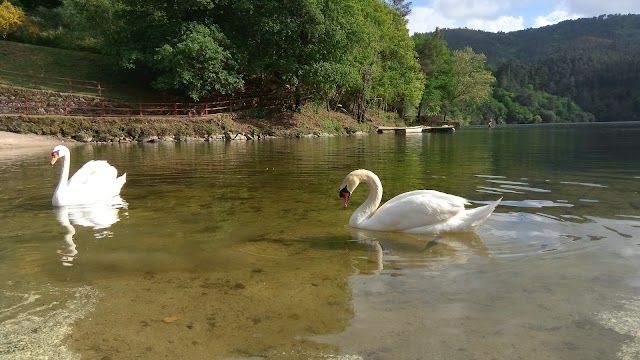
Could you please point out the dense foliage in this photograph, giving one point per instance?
(593, 62)
(458, 82)
(349, 52)
(352, 55)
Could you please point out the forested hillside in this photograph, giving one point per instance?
(594, 62)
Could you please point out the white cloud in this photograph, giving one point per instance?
(554, 17)
(599, 7)
(424, 19)
(503, 23)
(508, 15)
(463, 9)
(487, 15)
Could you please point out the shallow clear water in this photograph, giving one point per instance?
(241, 250)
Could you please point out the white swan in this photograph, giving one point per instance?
(95, 182)
(418, 211)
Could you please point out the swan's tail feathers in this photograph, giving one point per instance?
(120, 182)
(475, 217)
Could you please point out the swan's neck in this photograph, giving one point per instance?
(64, 179)
(369, 207)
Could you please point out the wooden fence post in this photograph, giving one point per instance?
(175, 109)
(104, 109)
(140, 109)
(26, 107)
(65, 108)
(99, 89)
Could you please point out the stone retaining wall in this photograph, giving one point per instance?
(15, 100)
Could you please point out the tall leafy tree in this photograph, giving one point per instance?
(389, 67)
(472, 82)
(436, 62)
(294, 42)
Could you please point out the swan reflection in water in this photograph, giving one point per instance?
(96, 216)
(398, 251)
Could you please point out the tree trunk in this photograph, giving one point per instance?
(298, 104)
(360, 115)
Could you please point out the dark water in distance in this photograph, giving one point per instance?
(240, 250)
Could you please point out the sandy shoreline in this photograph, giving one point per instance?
(9, 140)
(13, 144)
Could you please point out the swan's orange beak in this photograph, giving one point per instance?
(345, 194)
(345, 199)
(54, 158)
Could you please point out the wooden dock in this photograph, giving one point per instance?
(416, 129)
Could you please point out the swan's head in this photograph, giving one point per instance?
(348, 186)
(58, 152)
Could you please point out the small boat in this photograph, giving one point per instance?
(409, 130)
(416, 129)
(401, 130)
(440, 129)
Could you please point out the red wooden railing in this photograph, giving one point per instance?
(138, 109)
(98, 107)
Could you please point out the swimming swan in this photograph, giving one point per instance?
(95, 182)
(418, 211)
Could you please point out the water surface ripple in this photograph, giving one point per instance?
(241, 250)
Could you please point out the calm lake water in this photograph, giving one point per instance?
(241, 250)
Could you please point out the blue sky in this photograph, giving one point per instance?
(508, 15)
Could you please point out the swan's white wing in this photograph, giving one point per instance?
(414, 209)
(97, 172)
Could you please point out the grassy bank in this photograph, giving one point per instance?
(47, 66)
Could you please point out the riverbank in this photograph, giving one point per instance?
(240, 126)
(13, 145)
(47, 117)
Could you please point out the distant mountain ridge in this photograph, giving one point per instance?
(593, 61)
(533, 44)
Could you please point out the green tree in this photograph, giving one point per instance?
(86, 23)
(396, 77)
(197, 64)
(472, 82)
(436, 63)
